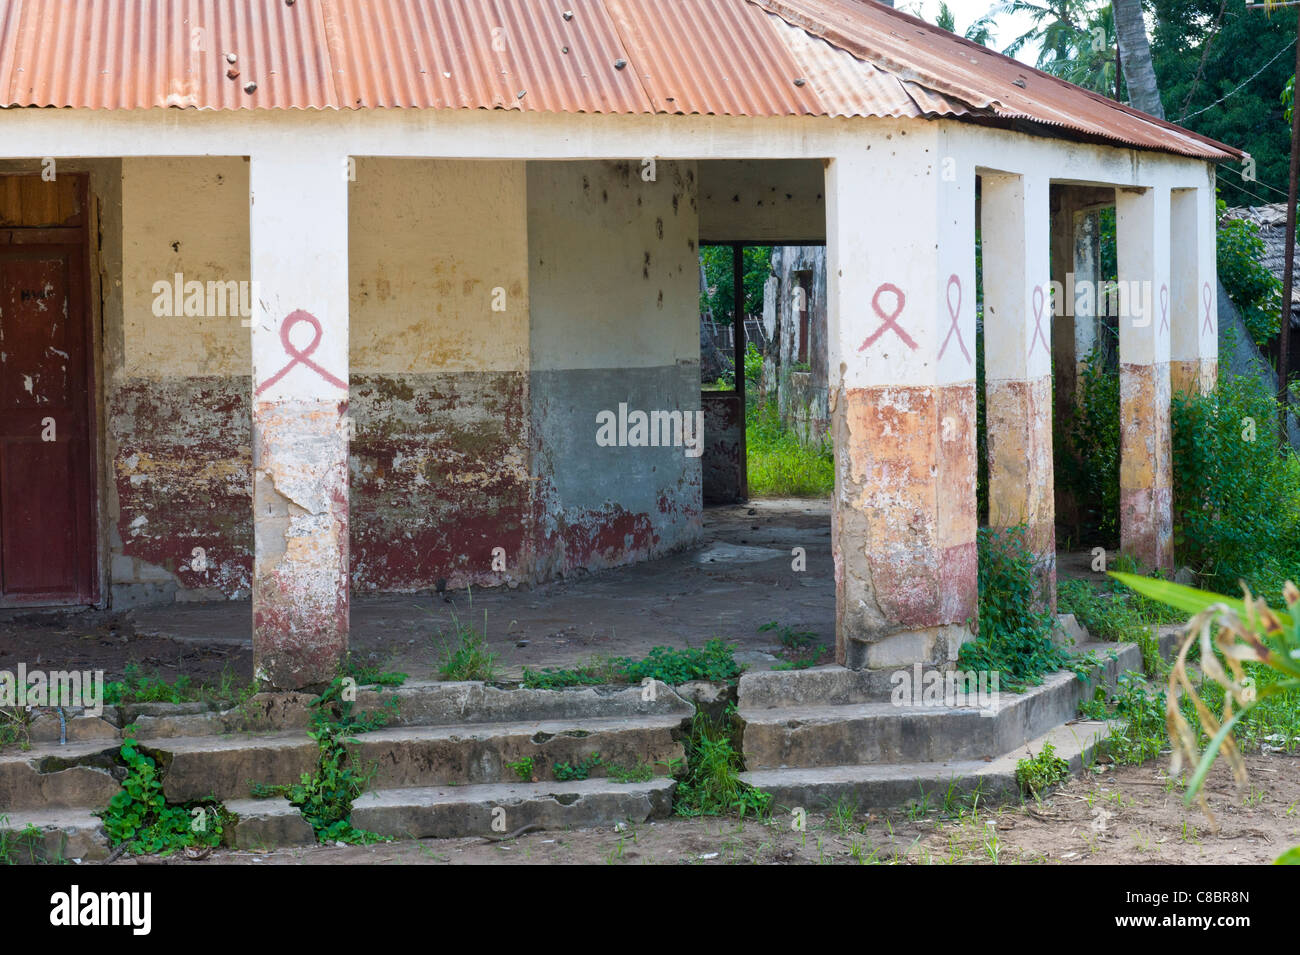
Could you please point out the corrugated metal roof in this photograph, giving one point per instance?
(936, 59)
(712, 57)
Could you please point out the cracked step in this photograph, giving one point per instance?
(478, 753)
(893, 785)
(456, 811)
(877, 732)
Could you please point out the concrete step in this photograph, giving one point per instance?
(53, 777)
(87, 775)
(855, 733)
(478, 752)
(64, 835)
(893, 785)
(417, 703)
(452, 811)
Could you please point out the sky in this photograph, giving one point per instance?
(967, 12)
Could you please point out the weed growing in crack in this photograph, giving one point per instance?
(24, 847)
(140, 819)
(712, 785)
(325, 797)
(522, 768)
(714, 662)
(1035, 774)
(564, 772)
(464, 654)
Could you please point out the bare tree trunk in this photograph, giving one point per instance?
(1131, 31)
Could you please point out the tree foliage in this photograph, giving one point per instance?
(1204, 50)
(720, 294)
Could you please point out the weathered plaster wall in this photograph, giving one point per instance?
(177, 391)
(802, 394)
(439, 337)
(613, 284)
(773, 200)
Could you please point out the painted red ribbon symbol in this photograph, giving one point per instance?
(890, 320)
(1206, 298)
(1038, 322)
(1164, 307)
(955, 312)
(297, 357)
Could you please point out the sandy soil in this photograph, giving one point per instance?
(1132, 815)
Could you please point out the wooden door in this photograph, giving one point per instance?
(47, 538)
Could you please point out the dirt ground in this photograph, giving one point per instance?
(1132, 815)
(737, 580)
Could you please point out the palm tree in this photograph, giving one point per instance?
(1139, 73)
(1075, 38)
(981, 31)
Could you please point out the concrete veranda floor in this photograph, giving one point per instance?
(738, 579)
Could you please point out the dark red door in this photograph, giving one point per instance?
(46, 459)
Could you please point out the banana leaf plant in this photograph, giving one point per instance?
(1243, 631)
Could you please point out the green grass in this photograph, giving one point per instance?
(715, 662)
(136, 686)
(1110, 611)
(1036, 774)
(779, 466)
(463, 654)
(712, 785)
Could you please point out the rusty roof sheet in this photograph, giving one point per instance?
(920, 52)
(714, 57)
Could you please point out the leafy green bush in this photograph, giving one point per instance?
(1035, 774)
(1253, 289)
(1015, 635)
(564, 772)
(715, 662)
(1093, 441)
(1236, 490)
(325, 797)
(139, 818)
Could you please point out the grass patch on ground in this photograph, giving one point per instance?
(463, 653)
(714, 662)
(779, 465)
(137, 686)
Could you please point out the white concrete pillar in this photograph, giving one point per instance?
(1018, 316)
(901, 342)
(299, 253)
(1194, 348)
(1145, 331)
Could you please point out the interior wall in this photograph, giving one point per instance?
(177, 393)
(614, 289)
(439, 373)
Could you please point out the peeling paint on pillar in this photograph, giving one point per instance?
(300, 498)
(904, 530)
(1195, 376)
(1146, 473)
(1021, 469)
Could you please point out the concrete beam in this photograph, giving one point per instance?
(299, 254)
